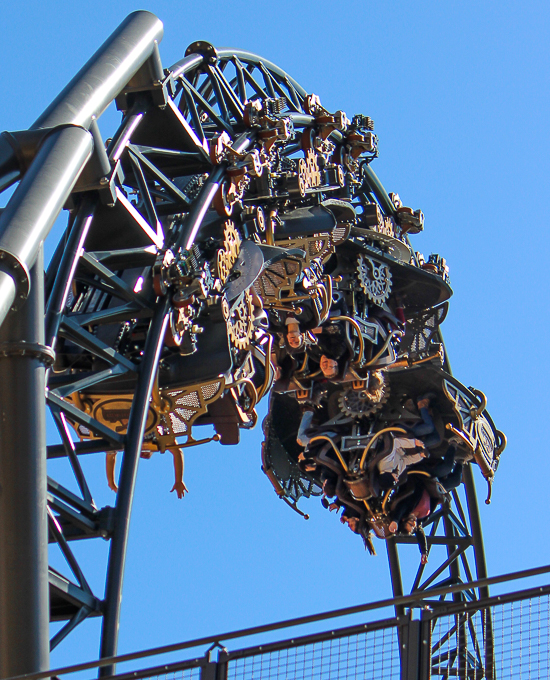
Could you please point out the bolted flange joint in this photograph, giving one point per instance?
(19, 272)
(33, 350)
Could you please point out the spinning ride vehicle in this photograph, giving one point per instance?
(254, 213)
(228, 242)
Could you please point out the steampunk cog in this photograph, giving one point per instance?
(359, 403)
(227, 256)
(375, 279)
(240, 323)
(187, 258)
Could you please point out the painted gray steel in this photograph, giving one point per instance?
(35, 205)
(24, 600)
(101, 79)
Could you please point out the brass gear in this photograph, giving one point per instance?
(227, 256)
(375, 279)
(225, 308)
(240, 325)
(358, 404)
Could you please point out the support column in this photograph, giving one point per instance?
(24, 601)
(127, 483)
(481, 567)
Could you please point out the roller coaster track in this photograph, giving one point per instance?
(214, 159)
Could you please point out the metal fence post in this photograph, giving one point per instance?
(215, 670)
(208, 671)
(221, 673)
(425, 644)
(410, 648)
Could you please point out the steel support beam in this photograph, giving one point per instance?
(131, 47)
(66, 267)
(475, 522)
(24, 604)
(481, 566)
(56, 161)
(395, 573)
(34, 207)
(128, 475)
(106, 73)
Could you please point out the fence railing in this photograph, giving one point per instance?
(499, 637)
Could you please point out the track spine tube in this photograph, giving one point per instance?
(128, 475)
(66, 269)
(106, 73)
(35, 205)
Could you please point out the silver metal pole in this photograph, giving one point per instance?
(93, 88)
(24, 602)
(34, 207)
(103, 76)
(128, 475)
(24, 224)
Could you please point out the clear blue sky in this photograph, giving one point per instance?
(460, 99)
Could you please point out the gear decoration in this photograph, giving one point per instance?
(312, 172)
(359, 403)
(240, 323)
(227, 256)
(226, 312)
(375, 279)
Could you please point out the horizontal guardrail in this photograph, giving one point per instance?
(431, 610)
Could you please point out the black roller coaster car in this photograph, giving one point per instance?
(255, 214)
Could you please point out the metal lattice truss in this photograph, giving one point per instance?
(227, 205)
(454, 545)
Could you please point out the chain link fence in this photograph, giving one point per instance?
(511, 640)
(455, 631)
(506, 638)
(365, 655)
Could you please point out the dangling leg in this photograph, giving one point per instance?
(110, 461)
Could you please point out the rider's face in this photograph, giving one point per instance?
(329, 367)
(410, 524)
(295, 338)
